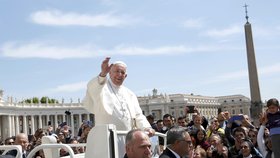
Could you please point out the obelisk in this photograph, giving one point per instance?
(256, 103)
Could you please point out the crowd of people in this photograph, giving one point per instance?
(62, 134)
(223, 136)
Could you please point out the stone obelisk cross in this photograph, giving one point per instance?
(256, 103)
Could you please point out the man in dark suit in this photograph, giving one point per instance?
(22, 140)
(178, 143)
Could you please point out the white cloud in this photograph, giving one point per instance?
(224, 32)
(68, 88)
(108, 2)
(167, 50)
(267, 70)
(45, 50)
(228, 76)
(58, 18)
(130, 50)
(193, 23)
(272, 69)
(51, 51)
(267, 31)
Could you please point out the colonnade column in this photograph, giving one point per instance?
(24, 125)
(72, 124)
(13, 125)
(88, 117)
(1, 117)
(48, 118)
(64, 118)
(55, 121)
(162, 112)
(32, 124)
(17, 125)
(80, 118)
(10, 125)
(40, 121)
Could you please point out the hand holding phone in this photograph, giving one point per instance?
(227, 115)
(62, 124)
(237, 119)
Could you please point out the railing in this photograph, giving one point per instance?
(67, 147)
(101, 140)
(8, 148)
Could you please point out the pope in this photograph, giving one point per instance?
(113, 103)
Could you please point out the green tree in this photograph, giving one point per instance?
(27, 101)
(50, 101)
(43, 100)
(35, 100)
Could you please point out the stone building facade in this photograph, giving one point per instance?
(18, 117)
(26, 118)
(174, 104)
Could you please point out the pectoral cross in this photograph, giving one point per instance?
(122, 109)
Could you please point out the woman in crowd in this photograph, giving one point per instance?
(248, 150)
(200, 139)
(84, 135)
(199, 152)
(214, 128)
(264, 142)
(77, 150)
(37, 138)
(197, 124)
(252, 134)
(217, 149)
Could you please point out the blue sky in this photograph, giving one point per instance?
(53, 48)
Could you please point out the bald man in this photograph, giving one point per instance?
(22, 140)
(137, 144)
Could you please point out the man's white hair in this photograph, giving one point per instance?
(120, 63)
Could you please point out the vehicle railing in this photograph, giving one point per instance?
(67, 147)
(8, 148)
(93, 145)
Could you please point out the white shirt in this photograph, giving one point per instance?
(113, 104)
(248, 156)
(261, 142)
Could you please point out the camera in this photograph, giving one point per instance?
(190, 109)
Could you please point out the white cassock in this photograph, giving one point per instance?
(113, 104)
(116, 105)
